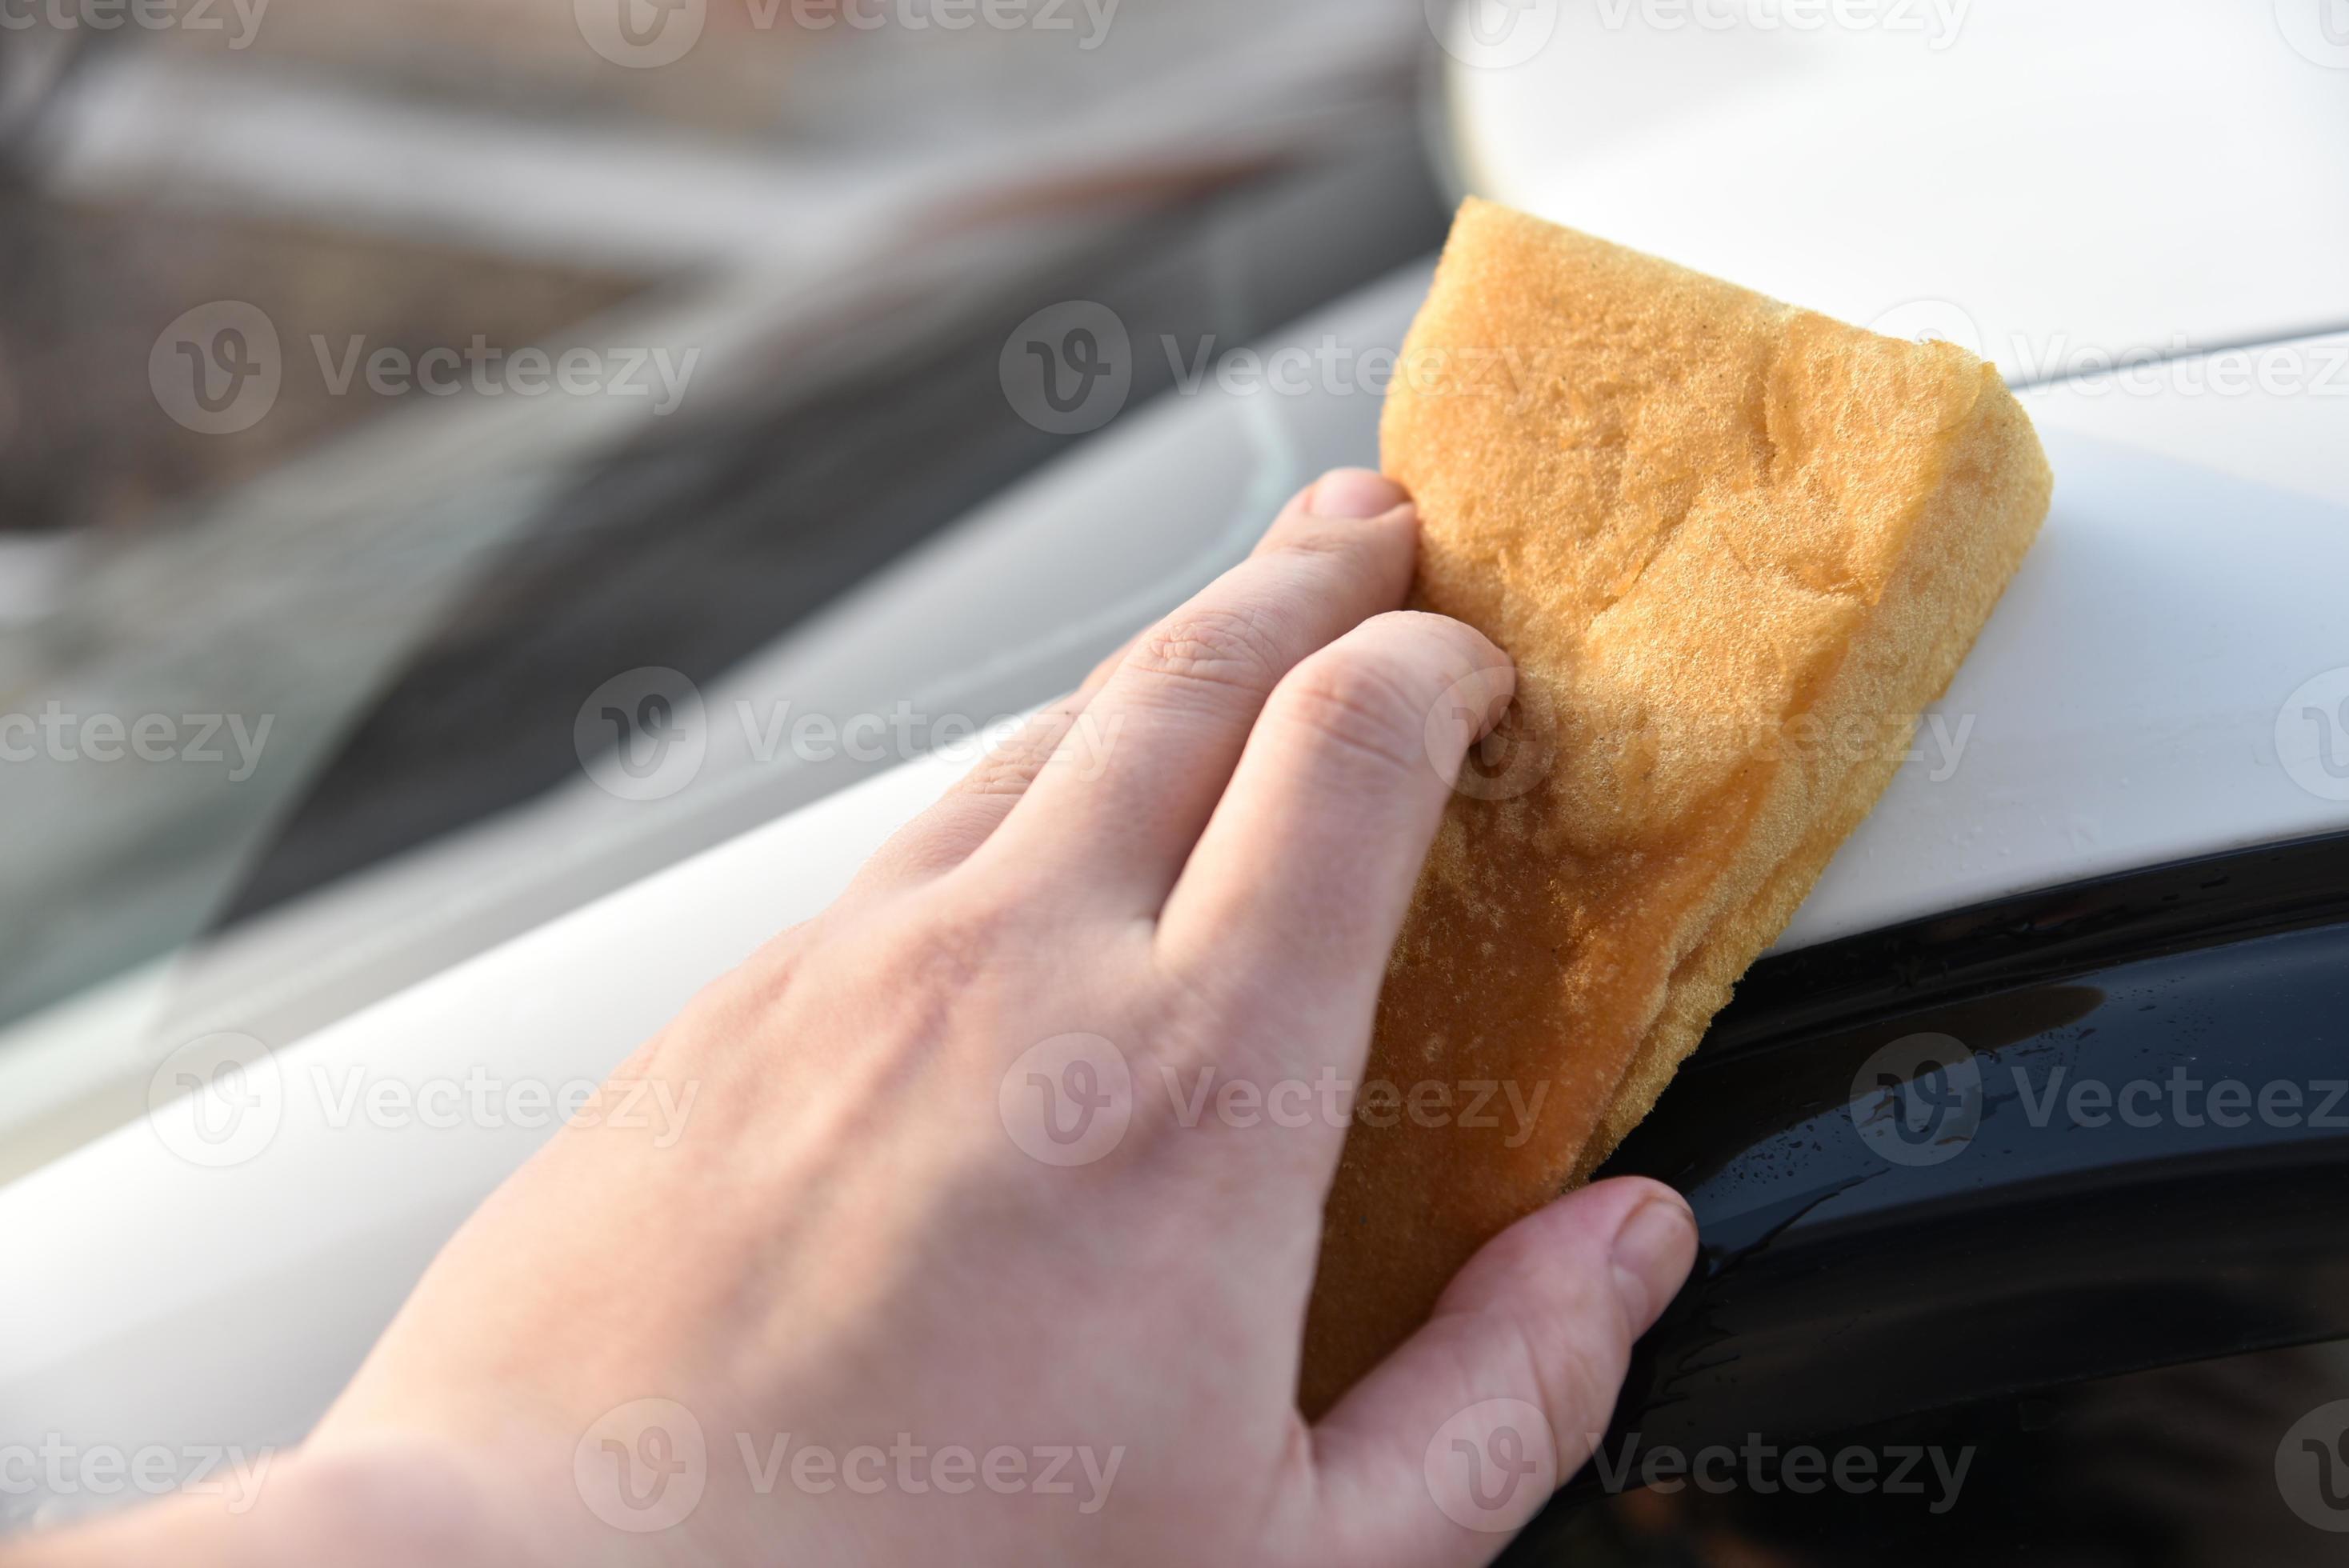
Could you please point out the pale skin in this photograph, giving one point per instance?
(851, 1244)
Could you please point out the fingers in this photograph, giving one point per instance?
(944, 836)
(1126, 793)
(1457, 1441)
(1298, 889)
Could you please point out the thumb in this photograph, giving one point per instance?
(1457, 1440)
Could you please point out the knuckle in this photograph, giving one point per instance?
(1312, 540)
(1578, 1379)
(1210, 645)
(1576, 1333)
(1454, 647)
(931, 961)
(1006, 772)
(770, 971)
(1315, 551)
(956, 939)
(1360, 701)
(737, 1003)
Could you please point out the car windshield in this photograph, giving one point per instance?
(387, 385)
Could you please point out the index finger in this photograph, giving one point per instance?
(1298, 889)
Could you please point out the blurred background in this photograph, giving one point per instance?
(779, 244)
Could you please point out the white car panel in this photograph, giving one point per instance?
(2044, 182)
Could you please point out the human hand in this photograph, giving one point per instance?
(943, 1190)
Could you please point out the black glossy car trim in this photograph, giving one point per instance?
(2041, 935)
(1838, 1289)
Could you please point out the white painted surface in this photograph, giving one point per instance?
(2122, 708)
(2057, 179)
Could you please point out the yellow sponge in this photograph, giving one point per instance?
(1734, 548)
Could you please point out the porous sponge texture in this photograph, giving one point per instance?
(1734, 548)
